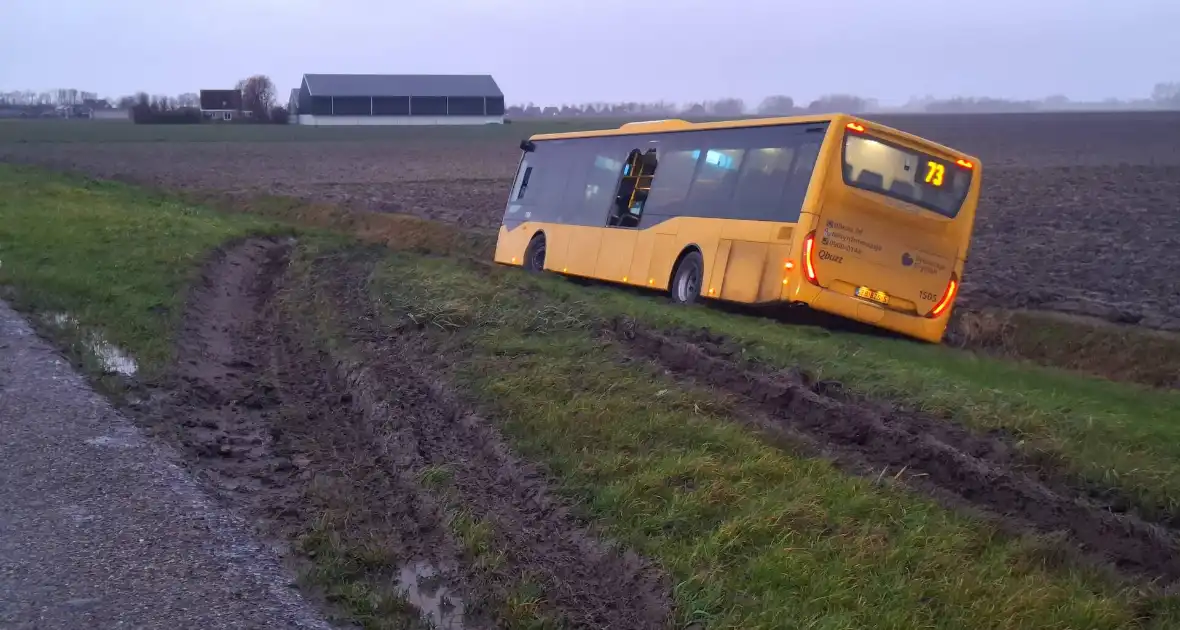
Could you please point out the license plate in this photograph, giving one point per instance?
(880, 297)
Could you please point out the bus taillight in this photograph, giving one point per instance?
(808, 263)
(952, 288)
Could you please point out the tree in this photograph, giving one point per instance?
(1057, 100)
(777, 105)
(1166, 94)
(727, 107)
(258, 95)
(189, 99)
(846, 103)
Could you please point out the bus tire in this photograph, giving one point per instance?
(685, 287)
(534, 254)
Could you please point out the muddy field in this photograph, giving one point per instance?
(292, 434)
(293, 430)
(1081, 212)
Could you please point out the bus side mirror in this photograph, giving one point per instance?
(527, 146)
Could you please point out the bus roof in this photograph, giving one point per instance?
(676, 124)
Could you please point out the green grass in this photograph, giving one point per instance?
(754, 537)
(344, 572)
(1112, 434)
(115, 259)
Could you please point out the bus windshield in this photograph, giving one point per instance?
(924, 180)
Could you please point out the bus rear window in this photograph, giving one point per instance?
(924, 180)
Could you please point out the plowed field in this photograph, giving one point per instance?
(1081, 212)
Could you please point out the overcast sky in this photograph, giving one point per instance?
(554, 51)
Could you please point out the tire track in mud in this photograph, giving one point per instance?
(292, 431)
(589, 582)
(261, 415)
(981, 473)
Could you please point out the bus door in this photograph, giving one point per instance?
(618, 240)
(888, 235)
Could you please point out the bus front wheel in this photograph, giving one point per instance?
(686, 280)
(534, 254)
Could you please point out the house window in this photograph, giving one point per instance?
(227, 115)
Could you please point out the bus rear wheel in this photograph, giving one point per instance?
(686, 280)
(534, 254)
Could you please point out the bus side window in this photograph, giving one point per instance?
(670, 186)
(569, 204)
(714, 183)
(546, 179)
(606, 160)
(634, 187)
(765, 176)
(797, 184)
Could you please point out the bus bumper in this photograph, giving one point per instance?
(923, 328)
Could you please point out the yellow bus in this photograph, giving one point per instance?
(835, 212)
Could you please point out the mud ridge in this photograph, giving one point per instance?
(398, 387)
(258, 413)
(982, 472)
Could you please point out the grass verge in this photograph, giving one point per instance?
(1113, 351)
(115, 260)
(755, 537)
(1111, 435)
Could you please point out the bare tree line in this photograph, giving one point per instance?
(260, 99)
(1163, 96)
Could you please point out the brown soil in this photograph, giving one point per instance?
(1080, 212)
(983, 473)
(300, 436)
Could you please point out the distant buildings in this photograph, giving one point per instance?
(397, 99)
(221, 105)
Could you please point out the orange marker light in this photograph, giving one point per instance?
(710, 291)
(855, 127)
(965, 164)
(514, 259)
(624, 278)
(651, 281)
(790, 265)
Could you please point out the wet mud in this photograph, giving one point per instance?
(984, 474)
(303, 435)
(588, 582)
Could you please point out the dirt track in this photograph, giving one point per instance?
(1081, 212)
(293, 434)
(982, 474)
(293, 430)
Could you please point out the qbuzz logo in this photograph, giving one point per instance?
(825, 255)
(907, 260)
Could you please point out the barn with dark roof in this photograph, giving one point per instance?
(399, 99)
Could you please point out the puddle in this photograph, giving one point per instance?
(112, 358)
(62, 320)
(422, 586)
